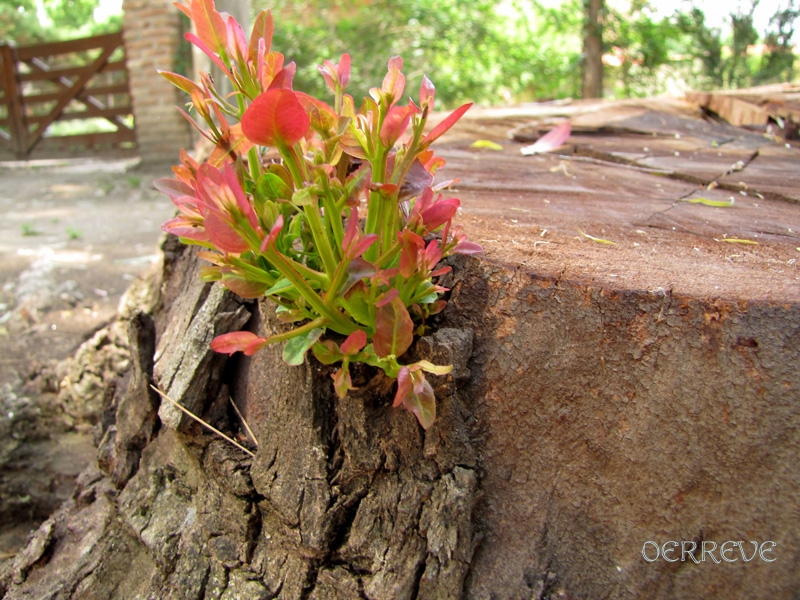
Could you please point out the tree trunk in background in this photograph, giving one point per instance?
(592, 50)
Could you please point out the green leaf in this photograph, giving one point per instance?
(394, 329)
(294, 351)
(304, 197)
(488, 144)
(356, 306)
(327, 352)
(273, 187)
(709, 202)
(281, 286)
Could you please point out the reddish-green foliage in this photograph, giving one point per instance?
(278, 202)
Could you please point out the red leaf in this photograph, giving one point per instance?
(387, 297)
(404, 386)
(395, 81)
(238, 341)
(237, 42)
(357, 269)
(209, 24)
(342, 382)
(182, 83)
(354, 342)
(549, 141)
(426, 93)
(394, 329)
(262, 29)
(336, 75)
(343, 70)
(448, 122)
(416, 181)
(395, 124)
(269, 65)
(173, 188)
(182, 228)
(465, 247)
(411, 246)
(416, 395)
(441, 212)
(322, 117)
(243, 287)
(283, 79)
(269, 241)
(208, 52)
(223, 235)
(275, 117)
(433, 254)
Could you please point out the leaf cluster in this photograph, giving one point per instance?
(328, 210)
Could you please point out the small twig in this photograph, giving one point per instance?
(244, 422)
(199, 420)
(5, 555)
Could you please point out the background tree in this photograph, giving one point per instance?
(28, 21)
(777, 63)
(744, 35)
(592, 50)
(19, 22)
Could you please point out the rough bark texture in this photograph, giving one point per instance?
(343, 499)
(601, 397)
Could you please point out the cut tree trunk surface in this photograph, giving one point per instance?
(626, 371)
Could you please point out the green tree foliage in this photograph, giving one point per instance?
(720, 61)
(703, 46)
(23, 22)
(643, 45)
(777, 64)
(19, 22)
(474, 51)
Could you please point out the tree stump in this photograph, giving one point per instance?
(603, 396)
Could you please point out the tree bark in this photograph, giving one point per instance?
(592, 50)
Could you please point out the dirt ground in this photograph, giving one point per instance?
(73, 236)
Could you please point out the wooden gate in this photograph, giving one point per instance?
(47, 88)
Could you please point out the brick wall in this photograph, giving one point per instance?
(152, 32)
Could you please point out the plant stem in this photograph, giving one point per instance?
(320, 239)
(337, 321)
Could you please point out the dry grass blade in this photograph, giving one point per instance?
(244, 422)
(596, 239)
(199, 420)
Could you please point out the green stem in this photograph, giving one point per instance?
(339, 277)
(255, 273)
(338, 322)
(254, 164)
(321, 240)
(384, 259)
(334, 218)
(282, 337)
(375, 209)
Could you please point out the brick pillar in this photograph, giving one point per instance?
(152, 33)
